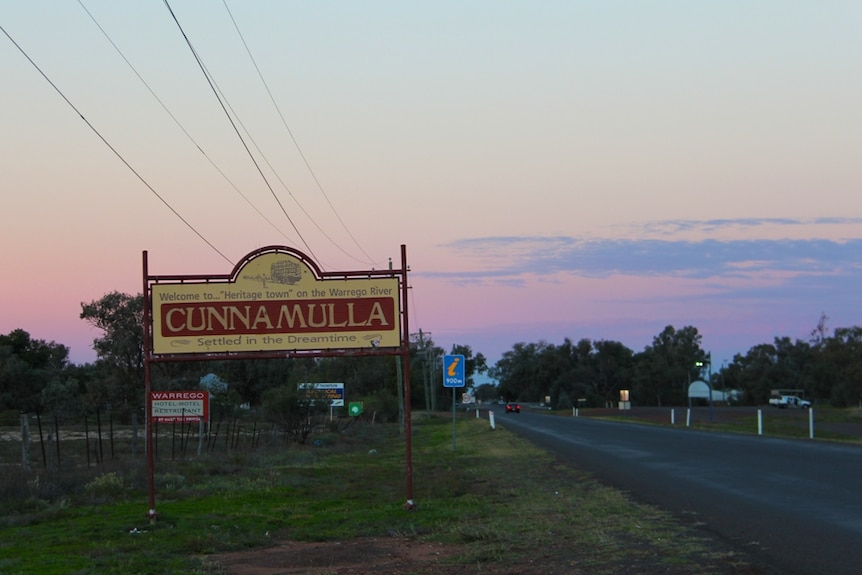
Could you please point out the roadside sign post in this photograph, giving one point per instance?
(275, 303)
(454, 376)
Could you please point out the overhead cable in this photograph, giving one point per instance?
(236, 129)
(269, 164)
(114, 150)
(177, 122)
(293, 138)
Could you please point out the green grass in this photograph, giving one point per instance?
(495, 497)
(776, 422)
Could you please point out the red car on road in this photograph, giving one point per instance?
(513, 407)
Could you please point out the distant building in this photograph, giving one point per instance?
(700, 390)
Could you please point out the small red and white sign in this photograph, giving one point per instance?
(179, 406)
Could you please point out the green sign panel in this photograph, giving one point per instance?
(355, 408)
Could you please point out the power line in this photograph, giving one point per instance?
(269, 164)
(211, 83)
(110, 147)
(177, 122)
(293, 138)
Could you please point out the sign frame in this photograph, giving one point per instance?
(276, 300)
(390, 324)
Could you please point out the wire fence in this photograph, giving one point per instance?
(55, 443)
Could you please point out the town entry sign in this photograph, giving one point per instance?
(275, 300)
(275, 303)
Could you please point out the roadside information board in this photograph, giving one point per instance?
(179, 406)
(333, 393)
(453, 371)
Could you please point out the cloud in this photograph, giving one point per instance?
(673, 254)
(837, 228)
(740, 282)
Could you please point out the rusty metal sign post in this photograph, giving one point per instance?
(276, 304)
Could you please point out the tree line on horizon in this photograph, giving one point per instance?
(827, 368)
(37, 377)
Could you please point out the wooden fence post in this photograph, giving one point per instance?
(25, 440)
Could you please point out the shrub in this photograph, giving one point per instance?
(563, 401)
(107, 485)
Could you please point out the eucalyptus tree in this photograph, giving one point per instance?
(120, 348)
(249, 379)
(27, 367)
(783, 364)
(517, 372)
(665, 369)
(758, 374)
(842, 353)
(361, 375)
(614, 365)
(567, 371)
(555, 372)
(795, 361)
(585, 373)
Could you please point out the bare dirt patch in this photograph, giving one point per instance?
(353, 557)
(403, 556)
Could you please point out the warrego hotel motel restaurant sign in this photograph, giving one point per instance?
(275, 301)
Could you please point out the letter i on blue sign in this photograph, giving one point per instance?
(453, 371)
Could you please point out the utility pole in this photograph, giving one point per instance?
(431, 379)
(425, 372)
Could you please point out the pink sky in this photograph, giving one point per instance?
(557, 170)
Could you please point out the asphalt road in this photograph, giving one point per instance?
(794, 505)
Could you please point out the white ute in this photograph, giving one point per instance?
(782, 401)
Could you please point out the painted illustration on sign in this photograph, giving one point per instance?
(275, 302)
